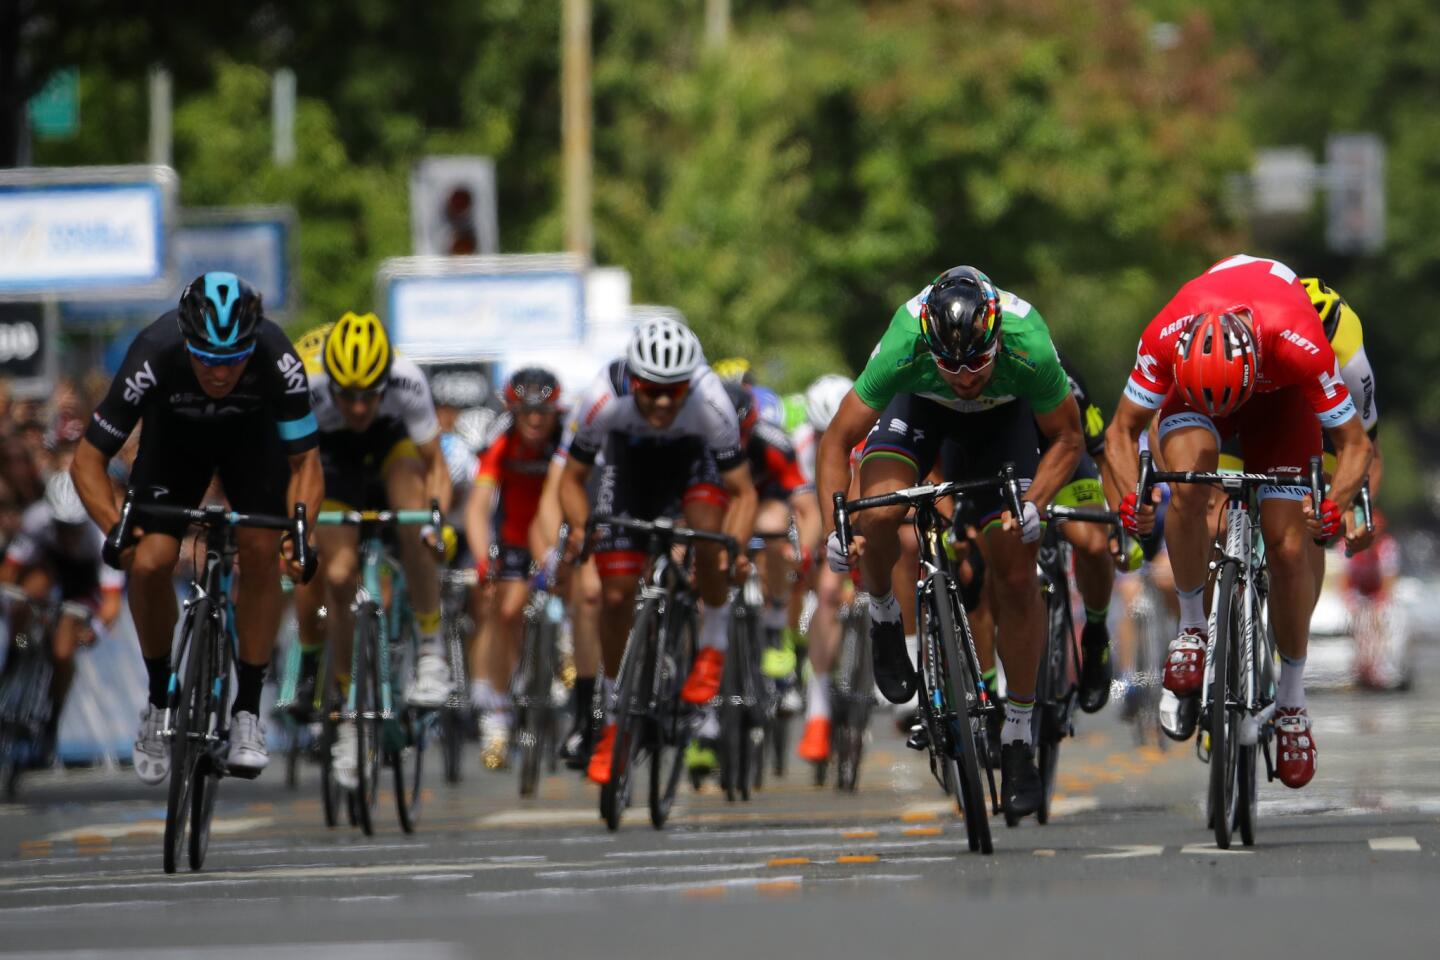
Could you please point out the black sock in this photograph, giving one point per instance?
(584, 699)
(250, 678)
(158, 670)
(309, 663)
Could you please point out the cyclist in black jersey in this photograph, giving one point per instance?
(220, 390)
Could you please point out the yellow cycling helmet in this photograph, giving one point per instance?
(1329, 304)
(357, 352)
(734, 370)
(310, 346)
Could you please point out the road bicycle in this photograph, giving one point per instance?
(954, 702)
(652, 724)
(1057, 685)
(537, 716)
(852, 697)
(196, 722)
(388, 731)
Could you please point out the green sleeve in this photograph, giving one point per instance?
(883, 375)
(1049, 385)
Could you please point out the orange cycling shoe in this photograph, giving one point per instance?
(704, 681)
(599, 769)
(815, 743)
(1185, 663)
(1294, 747)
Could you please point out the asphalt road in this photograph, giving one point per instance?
(1124, 867)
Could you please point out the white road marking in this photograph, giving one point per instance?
(657, 869)
(418, 950)
(1209, 850)
(219, 827)
(1065, 806)
(839, 843)
(735, 883)
(238, 877)
(539, 818)
(1128, 852)
(1395, 844)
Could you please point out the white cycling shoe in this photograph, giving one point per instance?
(248, 754)
(344, 757)
(432, 684)
(151, 753)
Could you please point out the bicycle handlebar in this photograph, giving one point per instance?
(209, 517)
(663, 528)
(1008, 483)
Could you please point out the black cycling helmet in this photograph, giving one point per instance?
(741, 398)
(219, 315)
(533, 388)
(960, 316)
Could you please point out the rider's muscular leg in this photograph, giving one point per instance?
(405, 488)
(1289, 556)
(1187, 522)
(1094, 569)
(1018, 609)
(340, 576)
(257, 612)
(504, 650)
(617, 612)
(881, 527)
(710, 576)
(824, 626)
(151, 587)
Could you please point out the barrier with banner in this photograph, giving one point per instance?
(86, 232)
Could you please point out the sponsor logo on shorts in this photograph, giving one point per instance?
(899, 426)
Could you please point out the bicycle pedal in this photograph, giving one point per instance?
(1202, 746)
(919, 738)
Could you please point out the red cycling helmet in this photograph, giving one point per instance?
(1217, 361)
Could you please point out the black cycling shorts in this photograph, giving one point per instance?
(643, 480)
(513, 562)
(177, 460)
(355, 464)
(971, 446)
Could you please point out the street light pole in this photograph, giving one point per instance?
(575, 116)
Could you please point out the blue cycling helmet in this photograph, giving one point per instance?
(771, 407)
(219, 315)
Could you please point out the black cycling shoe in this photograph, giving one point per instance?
(576, 747)
(993, 725)
(1095, 669)
(1020, 787)
(894, 673)
(303, 705)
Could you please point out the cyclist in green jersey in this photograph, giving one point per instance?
(966, 373)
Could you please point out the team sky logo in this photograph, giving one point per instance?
(135, 386)
(294, 373)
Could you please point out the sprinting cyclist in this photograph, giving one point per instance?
(502, 505)
(56, 554)
(220, 391)
(1241, 350)
(966, 373)
(671, 441)
(379, 443)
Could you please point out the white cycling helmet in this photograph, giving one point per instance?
(822, 399)
(64, 502)
(664, 350)
(474, 427)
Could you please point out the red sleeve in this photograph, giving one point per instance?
(1294, 352)
(1154, 370)
(784, 469)
(491, 459)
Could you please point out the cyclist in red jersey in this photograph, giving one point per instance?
(503, 501)
(1240, 350)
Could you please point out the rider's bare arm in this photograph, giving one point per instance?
(1122, 449)
(1061, 428)
(832, 463)
(437, 474)
(92, 482)
(740, 514)
(1353, 452)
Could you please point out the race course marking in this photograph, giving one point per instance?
(1395, 844)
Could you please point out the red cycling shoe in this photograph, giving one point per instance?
(1294, 747)
(1185, 663)
(599, 769)
(704, 681)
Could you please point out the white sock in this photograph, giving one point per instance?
(486, 697)
(817, 693)
(1192, 607)
(885, 609)
(1290, 691)
(774, 618)
(715, 627)
(709, 726)
(1017, 722)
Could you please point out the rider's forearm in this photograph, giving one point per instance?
(832, 474)
(1056, 467)
(1352, 464)
(437, 475)
(807, 518)
(740, 514)
(92, 483)
(307, 483)
(574, 501)
(548, 514)
(1119, 471)
(478, 510)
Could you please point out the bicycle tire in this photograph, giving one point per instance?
(852, 744)
(734, 732)
(614, 794)
(187, 712)
(202, 809)
(366, 682)
(407, 767)
(1050, 704)
(537, 670)
(1223, 726)
(330, 792)
(452, 737)
(964, 683)
(9, 764)
(671, 733)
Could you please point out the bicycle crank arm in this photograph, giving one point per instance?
(1253, 723)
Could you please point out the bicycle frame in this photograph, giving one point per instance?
(214, 583)
(1244, 548)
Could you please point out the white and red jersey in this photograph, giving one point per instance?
(1292, 345)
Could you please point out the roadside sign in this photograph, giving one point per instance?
(452, 207)
(55, 111)
(86, 231)
(28, 355)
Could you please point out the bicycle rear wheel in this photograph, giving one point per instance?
(368, 732)
(187, 720)
(1224, 721)
(671, 731)
(963, 694)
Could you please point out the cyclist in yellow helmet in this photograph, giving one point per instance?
(380, 449)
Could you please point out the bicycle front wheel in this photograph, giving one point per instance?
(187, 721)
(1052, 696)
(407, 766)
(964, 686)
(366, 683)
(671, 730)
(1224, 720)
(632, 694)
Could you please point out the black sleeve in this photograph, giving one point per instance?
(116, 416)
(1092, 418)
(289, 390)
